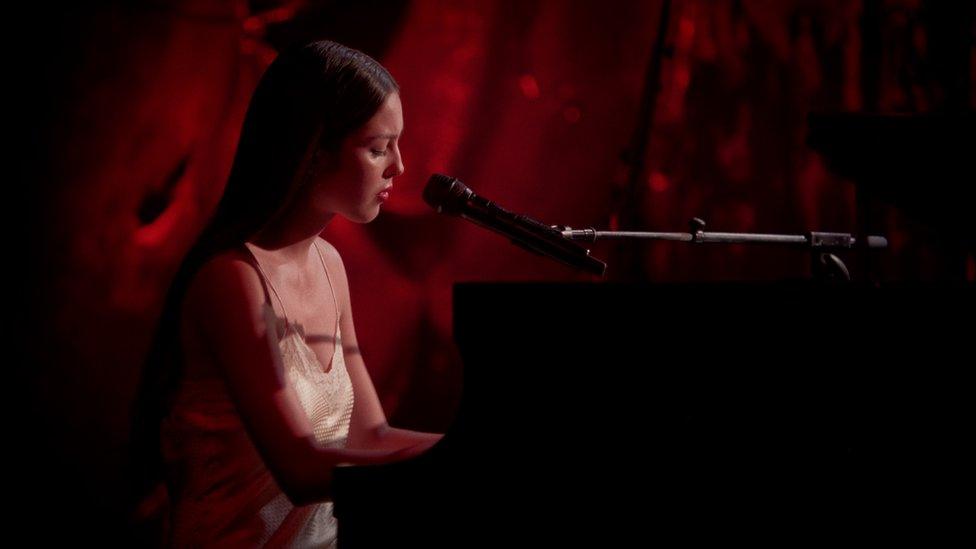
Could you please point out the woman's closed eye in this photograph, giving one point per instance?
(378, 153)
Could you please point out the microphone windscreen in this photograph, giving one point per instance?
(445, 194)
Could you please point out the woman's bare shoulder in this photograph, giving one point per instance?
(227, 275)
(332, 257)
(330, 251)
(334, 262)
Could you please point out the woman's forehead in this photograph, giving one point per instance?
(387, 123)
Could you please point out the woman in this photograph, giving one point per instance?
(255, 372)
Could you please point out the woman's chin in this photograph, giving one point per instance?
(364, 217)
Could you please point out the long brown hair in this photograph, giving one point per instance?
(310, 98)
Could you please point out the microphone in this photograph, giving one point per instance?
(448, 195)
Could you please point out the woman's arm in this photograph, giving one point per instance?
(226, 302)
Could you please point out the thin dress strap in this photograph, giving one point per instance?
(266, 282)
(331, 285)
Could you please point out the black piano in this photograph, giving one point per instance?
(611, 415)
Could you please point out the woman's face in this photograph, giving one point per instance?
(368, 160)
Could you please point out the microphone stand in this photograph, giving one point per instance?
(824, 264)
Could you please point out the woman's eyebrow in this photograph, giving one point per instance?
(386, 135)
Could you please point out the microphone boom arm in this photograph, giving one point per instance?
(824, 263)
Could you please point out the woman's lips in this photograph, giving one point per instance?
(383, 195)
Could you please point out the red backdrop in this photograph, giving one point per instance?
(529, 103)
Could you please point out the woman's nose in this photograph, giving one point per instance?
(397, 167)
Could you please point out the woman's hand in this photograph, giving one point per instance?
(349, 457)
(417, 449)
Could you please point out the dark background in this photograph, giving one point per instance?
(126, 114)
